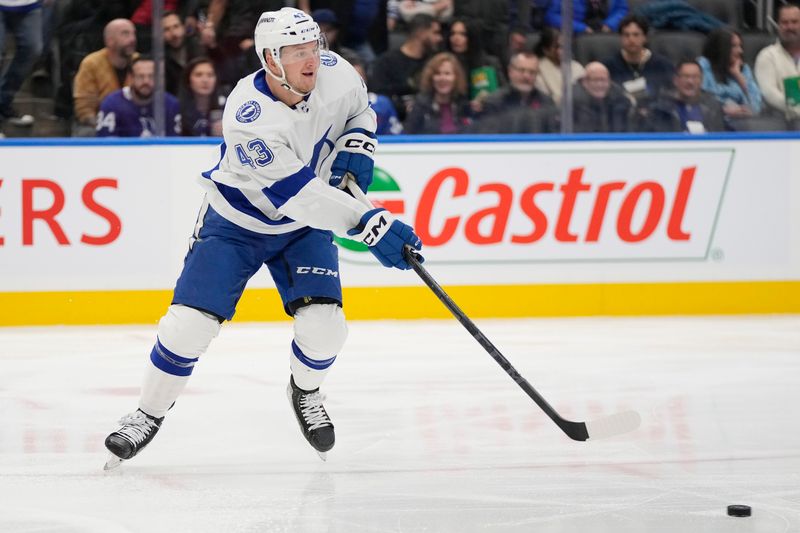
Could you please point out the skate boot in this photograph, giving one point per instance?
(314, 422)
(137, 430)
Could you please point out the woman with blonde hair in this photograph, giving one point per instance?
(442, 105)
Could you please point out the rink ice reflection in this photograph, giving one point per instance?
(431, 434)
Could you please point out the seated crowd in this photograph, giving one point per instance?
(431, 66)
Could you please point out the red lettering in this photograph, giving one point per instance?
(428, 199)
(114, 223)
(599, 210)
(674, 231)
(500, 212)
(625, 218)
(398, 207)
(537, 216)
(571, 189)
(29, 214)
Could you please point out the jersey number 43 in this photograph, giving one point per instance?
(256, 154)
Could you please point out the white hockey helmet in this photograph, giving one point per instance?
(288, 26)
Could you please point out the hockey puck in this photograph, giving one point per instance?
(739, 510)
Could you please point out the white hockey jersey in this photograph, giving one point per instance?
(275, 160)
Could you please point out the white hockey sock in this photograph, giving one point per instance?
(184, 334)
(304, 377)
(319, 334)
(160, 390)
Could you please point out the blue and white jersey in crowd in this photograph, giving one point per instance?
(388, 123)
(275, 160)
(120, 116)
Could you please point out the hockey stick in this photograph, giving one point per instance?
(604, 427)
(607, 426)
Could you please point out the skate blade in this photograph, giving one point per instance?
(323, 455)
(112, 463)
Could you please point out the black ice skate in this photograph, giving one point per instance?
(314, 422)
(136, 431)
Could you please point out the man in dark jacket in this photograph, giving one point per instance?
(179, 49)
(492, 17)
(519, 107)
(599, 105)
(396, 72)
(688, 108)
(642, 73)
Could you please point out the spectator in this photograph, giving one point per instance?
(128, 112)
(362, 23)
(599, 105)
(517, 42)
(688, 108)
(442, 106)
(329, 25)
(142, 18)
(589, 16)
(201, 103)
(395, 73)
(641, 72)
(550, 80)
(79, 32)
(179, 49)
(484, 73)
(727, 76)
(520, 107)
(103, 72)
(23, 20)
(492, 17)
(778, 64)
(227, 34)
(385, 113)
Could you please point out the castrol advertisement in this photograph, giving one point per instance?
(95, 216)
(588, 206)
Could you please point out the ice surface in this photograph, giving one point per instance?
(431, 434)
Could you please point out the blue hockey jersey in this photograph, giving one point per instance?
(120, 116)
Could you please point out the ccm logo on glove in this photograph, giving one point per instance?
(386, 237)
(376, 231)
(366, 145)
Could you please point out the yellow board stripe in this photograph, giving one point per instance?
(506, 301)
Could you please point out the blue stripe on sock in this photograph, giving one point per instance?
(171, 363)
(311, 363)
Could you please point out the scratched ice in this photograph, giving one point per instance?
(432, 434)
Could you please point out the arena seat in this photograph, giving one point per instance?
(753, 42)
(677, 45)
(595, 47)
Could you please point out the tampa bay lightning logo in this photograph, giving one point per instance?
(327, 59)
(248, 112)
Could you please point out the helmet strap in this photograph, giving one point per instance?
(282, 78)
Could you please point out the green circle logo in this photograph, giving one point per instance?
(382, 181)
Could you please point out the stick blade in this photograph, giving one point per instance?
(613, 425)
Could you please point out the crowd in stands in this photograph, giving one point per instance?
(431, 66)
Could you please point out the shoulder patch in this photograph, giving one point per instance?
(327, 59)
(248, 111)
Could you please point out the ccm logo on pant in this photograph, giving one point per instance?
(318, 271)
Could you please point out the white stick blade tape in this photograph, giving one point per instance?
(613, 425)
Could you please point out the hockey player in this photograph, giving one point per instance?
(294, 133)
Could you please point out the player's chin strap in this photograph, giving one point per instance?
(284, 82)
